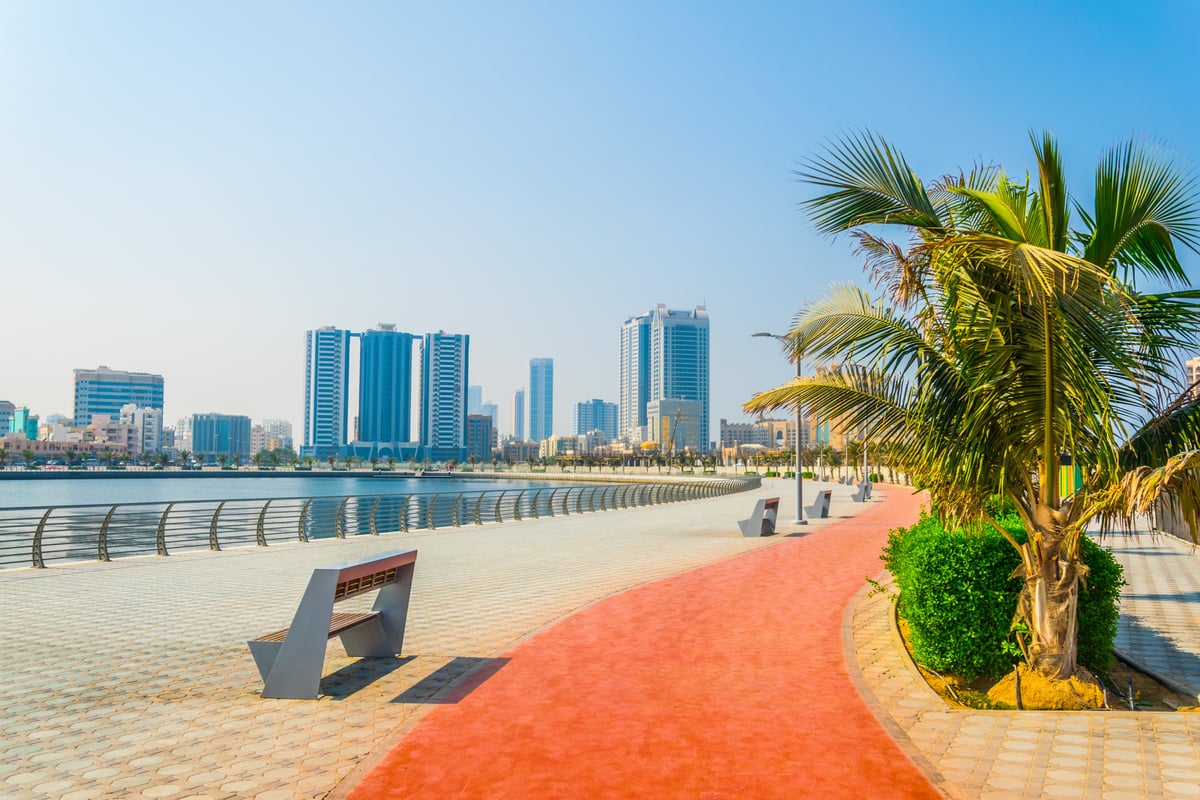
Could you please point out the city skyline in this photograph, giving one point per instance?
(443, 169)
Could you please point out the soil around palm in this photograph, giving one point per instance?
(1116, 686)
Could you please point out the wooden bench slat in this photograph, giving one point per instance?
(338, 623)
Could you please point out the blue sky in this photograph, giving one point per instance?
(185, 188)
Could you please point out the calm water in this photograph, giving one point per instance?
(77, 490)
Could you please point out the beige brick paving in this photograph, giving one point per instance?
(132, 679)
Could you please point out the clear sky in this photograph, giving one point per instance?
(185, 188)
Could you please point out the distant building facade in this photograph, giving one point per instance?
(24, 423)
(215, 435)
(104, 391)
(147, 425)
(676, 425)
(595, 415)
(6, 415)
(1192, 367)
(326, 386)
(541, 398)
(479, 437)
(518, 415)
(444, 370)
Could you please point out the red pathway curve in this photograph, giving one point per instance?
(728, 681)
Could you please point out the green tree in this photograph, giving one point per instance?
(3, 457)
(28, 457)
(1006, 340)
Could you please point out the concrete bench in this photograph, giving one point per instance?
(863, 494)
(290, 660)
(820, 507)
(762, 519)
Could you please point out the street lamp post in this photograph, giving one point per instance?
(799, 520)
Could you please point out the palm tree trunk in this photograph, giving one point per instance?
(1047, 606)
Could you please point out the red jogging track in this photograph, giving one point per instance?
(728, 681)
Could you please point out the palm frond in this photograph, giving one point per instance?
(871, 183)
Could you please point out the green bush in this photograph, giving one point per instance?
(958, 599)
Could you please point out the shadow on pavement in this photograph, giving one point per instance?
(453, 681)
(359, 675)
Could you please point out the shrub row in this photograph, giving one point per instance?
(958, 599)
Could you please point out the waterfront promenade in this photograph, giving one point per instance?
(132, 679)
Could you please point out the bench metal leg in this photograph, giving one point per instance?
(368, 640)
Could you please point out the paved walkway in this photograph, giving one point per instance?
(725, 682)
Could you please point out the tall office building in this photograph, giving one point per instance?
(444, 370)
(595, 415)
(518, 415)
(479, 437)
(541, 398)
(104, 391)
(385, 386)
(326, 385)
(664, 356)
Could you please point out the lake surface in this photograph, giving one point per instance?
(19, 491)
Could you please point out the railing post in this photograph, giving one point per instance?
(261, 530)
(38, 561)
(478, 505)
(374, 508)
(404, 514)
(339, 528)
(550, 502)
(566, 497)
(592, 500)
(497, 514)
(454, 511)
(429, 523)
(102, 539)
(517, 505)
(303, 534)
(533, 503)
(213, 543)
(160, 537)
(579, 498)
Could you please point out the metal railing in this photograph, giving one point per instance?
(37, 535)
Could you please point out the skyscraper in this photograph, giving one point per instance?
(104, 391)
(634, 386)
(385, 386)
(594, 415)
(444, 370)
(541, 398)
(664, 356)
(518, 415)
(326, 386)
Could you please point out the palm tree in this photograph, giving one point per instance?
(1007, 339)
(3, 457)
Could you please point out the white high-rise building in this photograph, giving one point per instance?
(147, 425)
(1192, 366)
(518, 415)
(444, 370)
(664, 356)
(326, 387)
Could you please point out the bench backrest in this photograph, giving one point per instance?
(368, 574)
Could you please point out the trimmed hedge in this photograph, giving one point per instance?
(958, 599)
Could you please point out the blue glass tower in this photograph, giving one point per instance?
(385, 386)
(541, 399)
